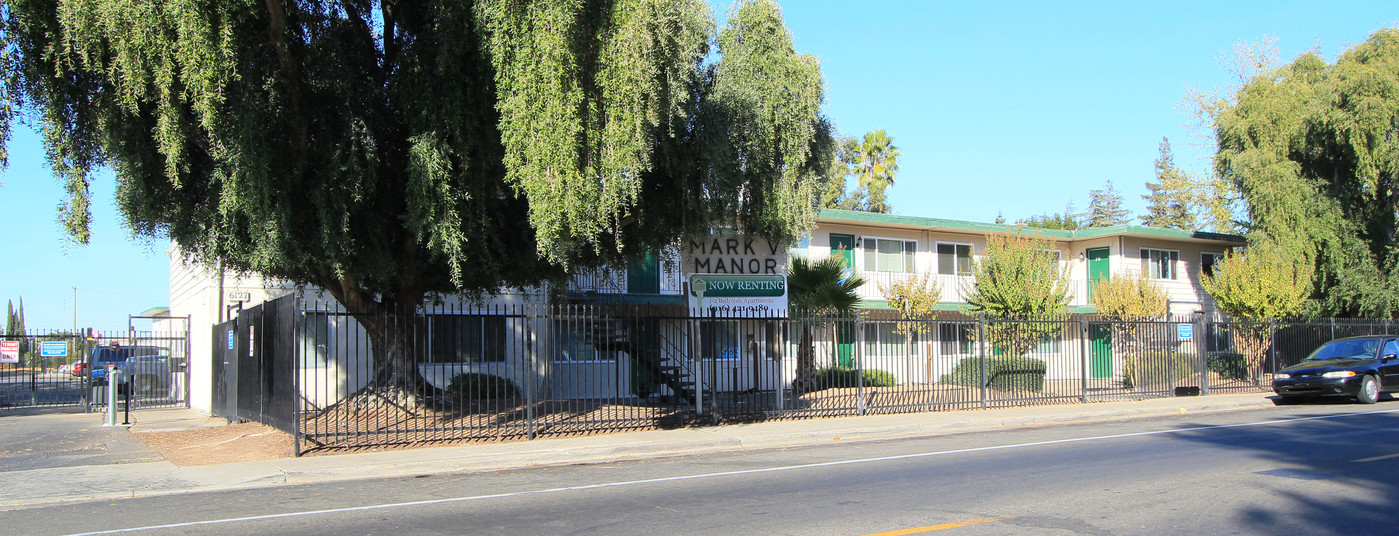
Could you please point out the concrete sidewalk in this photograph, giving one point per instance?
(92, 482)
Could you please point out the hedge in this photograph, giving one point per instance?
(838, 377)
(1228, 365)
(478, 386)
(1159, 368)
(1002, 373)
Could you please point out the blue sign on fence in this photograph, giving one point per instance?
(1185, 331)
(53, 348)
(230, 339)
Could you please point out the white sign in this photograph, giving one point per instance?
(756, 296)
(9, 351)
(239, 295)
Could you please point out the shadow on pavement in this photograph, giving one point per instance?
(1332, 453)
(45, 438)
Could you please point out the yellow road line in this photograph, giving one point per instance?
(1377, 458)
(943, 526)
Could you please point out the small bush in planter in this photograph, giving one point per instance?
(1002, 373)
(838, 377)
(1159, 368)
(1228, 365)
(478, 386)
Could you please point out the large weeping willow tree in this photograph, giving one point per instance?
(385, 151)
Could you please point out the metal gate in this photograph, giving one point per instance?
(57, 368)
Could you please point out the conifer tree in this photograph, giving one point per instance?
(1172, 202)
(1105, 208)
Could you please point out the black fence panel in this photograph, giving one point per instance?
(458, 372)
(57, 368)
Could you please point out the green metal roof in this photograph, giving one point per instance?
(921, 223)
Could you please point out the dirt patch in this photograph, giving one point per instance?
(219, 444)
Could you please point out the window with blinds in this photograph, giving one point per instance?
(885, 255)
(954, 259)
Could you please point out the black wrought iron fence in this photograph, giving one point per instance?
(454, 372)
(60, 368)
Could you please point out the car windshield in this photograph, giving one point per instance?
(1347, 349)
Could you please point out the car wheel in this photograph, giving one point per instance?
(1369, 390)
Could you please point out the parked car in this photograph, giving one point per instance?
(95, 366)
(1361, 367)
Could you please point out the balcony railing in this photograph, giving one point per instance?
(954, 287)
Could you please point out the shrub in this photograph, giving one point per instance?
(1158, 368)
(838, 377)
(1002, 373)
(477, 386)
(1228, 365)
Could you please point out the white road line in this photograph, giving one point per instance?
(722, 474)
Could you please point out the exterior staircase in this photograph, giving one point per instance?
(611, 322)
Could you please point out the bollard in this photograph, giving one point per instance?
(113, 377)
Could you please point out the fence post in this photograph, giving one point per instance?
(981, 354)
(859, 364)
(1273, 341)
(1202, 352)
(531, 358)
(1083, 349)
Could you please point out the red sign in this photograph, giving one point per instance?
(9, 351)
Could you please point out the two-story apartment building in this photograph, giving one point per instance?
(882, 248)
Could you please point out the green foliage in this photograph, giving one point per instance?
(1172, 202)
(1310, 146)
(914, 297)
(478, 386)
(874, 161)
(1063, 221)
(1018, 278)
(876, 165)
(841, 377)
(1002, 373)
(822, 287)
(1128, 296)
(1105, 208)
(1158, 368)
(385, 151)
(1258, 283)
(1228, 365)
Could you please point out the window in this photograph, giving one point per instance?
(955, 259)
(887, 339)
(1391, 347)
(799, 250)
(1049, 345)
(315, 341)
(956, 338)
(573, 345)
(884, 255)
(719, 338)
(1159, 263)
(463, 338)
(1207, 262)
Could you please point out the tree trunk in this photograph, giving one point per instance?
(805, 381)
(389, 323)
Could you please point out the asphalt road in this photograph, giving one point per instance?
(1306, 469)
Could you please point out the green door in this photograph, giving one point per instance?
(644, 276)
(843, 245)
(1098, 267)
(1100, 336)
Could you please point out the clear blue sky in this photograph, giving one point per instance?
(997, 107)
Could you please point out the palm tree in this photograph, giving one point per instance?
(877, 163)
(821, 289)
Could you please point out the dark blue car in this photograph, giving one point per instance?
(1360, 367)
